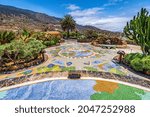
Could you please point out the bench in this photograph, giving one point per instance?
(107, 46)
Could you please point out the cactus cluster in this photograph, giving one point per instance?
(138, 29)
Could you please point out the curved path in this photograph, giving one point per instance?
(73, 56)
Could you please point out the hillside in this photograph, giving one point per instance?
(12, 18)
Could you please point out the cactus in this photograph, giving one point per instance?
(138, 29)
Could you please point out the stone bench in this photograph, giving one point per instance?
(107, 46)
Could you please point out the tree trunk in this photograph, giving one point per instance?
(68, 34)
(43, 57)
(0, 62)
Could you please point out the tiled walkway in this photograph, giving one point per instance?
(76, 56)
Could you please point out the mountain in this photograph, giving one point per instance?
(12, 18)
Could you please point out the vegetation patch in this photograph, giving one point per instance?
(138, 62)
(23, 49)
(19, 54)
(138, 30)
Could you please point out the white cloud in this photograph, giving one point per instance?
(109, 4)
(115, 0)
(148, 8)
(73, 7)
(112, 2)
(86, 12)
(106, 23)
(92, 16)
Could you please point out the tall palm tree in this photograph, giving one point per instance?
(68, 24)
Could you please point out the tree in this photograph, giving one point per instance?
(91, 34)
(13, 51)
(138, 29)
(26, 35)
(18, 50)
(68, 24)
(2, 48)
(6, 37)
(34, 47)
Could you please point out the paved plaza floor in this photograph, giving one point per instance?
(72, 55)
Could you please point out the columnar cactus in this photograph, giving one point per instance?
(138, 29)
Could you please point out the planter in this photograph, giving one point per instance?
(147, 72)
(23, 65)
(127, 64)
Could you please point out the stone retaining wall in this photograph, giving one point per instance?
(105, 75)
(20, 66)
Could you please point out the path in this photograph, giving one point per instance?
(76, 56)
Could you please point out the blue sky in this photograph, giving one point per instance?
(105, 14)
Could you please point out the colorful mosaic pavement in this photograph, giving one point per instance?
(74, 57)
(70, 57)
(75, 90)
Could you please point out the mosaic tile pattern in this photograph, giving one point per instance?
(75, 90)
(74, 57)
(71, 57)
(114, 91)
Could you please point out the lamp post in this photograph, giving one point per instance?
(121, 54)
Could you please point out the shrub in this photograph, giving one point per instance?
(138, 61)
(129, 57)
(91, 34)
(19, 50)
(132, 42)
(137, 64)
(53, 41)
(146, 63)
(81, 37)
(64, 34)
(73, 35)
(109, 39)
(6, 37)
(47, 43)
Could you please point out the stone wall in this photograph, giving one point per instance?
(105, 75)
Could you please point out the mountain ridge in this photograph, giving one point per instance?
(17, 18)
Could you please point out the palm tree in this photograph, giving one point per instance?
(68, 24)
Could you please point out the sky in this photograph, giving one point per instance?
(104, 14)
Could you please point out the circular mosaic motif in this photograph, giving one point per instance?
(76, 52)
